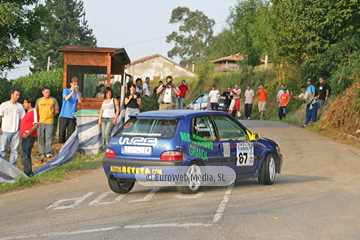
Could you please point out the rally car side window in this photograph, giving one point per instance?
(203, 129)
(228, 129)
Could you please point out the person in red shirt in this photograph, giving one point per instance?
(262, 92)
(183, 87)
(284, 100)
(28, 133)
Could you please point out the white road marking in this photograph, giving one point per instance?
(222, 205)
(180, 225)
(148, 196)
(97, 200)
(198, 195)
(77, 201)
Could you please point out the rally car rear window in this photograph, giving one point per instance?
(149, 127)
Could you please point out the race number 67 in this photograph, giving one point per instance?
(243, 157)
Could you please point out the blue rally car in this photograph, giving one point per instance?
(151, 141)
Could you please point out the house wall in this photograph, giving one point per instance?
(157, 68)
(226, 67)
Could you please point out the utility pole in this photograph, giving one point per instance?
(193, 65)
(48, 64)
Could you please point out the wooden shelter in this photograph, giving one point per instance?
(80, 61)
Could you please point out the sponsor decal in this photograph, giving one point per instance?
(138, 141)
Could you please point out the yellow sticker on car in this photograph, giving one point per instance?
(135, 170)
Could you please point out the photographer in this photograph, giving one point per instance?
(132, 102)
(167, 94)
(183, 87)
(70, 99)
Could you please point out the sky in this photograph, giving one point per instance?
(140, 26)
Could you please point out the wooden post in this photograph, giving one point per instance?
(48, 64)
(65, 70)
(108, 71)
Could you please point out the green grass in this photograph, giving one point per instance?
(79, 162)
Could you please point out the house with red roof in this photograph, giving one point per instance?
(228, 64)
(157, 67)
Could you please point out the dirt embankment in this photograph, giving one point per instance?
(343, 116)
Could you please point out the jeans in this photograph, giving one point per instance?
(282, 112)
(13, 139)
(311, 113)
(214, 106)
(225, 107)
(45, 132)
(180, 103)
(248, 110)
(26, 146)
(106, 128)
(66, 125)
(130, 111)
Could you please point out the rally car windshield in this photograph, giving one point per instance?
(147, 127)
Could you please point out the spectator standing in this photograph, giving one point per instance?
(324, 91)
(28, 133)
(284, 100)
(11, 113)
(282, 86)
(235, 102)
(101, 93)
(310, 89)
(48, 108)
(249, 100)
(262, 93)
(109, 113)
(138, 85)
(228, 98)
(132, 102)
(70, 99)
(214, 98)
(183, 87)
(146, 90)
(311, 105)
(167, 94)
(129, 83)
(156, 88)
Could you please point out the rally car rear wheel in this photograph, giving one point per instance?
(268, 170)
(120, 186)
(193, 182)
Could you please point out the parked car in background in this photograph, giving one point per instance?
(201, 103)
(151, 142)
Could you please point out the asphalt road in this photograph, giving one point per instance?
(317, 196)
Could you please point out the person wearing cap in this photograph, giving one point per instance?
(228, 98)
(167, 94)
(249, 100)
(282, 86)
(310, 89)
(311, 105)
(235, 102)
(262, 93)
(214, 98)
(284, 100)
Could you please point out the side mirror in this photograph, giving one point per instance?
(254, 136)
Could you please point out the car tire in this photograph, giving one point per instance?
(268, 170)
(120, 186)
(191, 185)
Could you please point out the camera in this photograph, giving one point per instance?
(169, 82)
(76, 86)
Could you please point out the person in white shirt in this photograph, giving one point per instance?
(249, 100)
(146, 91)
(214, 98)
(167, 94)
(11, 113)
(235, 102)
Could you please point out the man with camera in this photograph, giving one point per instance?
(70, 99)
(167, 94)
(183, 87)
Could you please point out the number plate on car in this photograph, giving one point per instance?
(138, 150)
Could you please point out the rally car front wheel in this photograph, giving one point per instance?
(268, 170)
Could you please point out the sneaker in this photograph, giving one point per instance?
(303, 126)
(49, 155)
(41, 154)
(245, 118)
(249, 118)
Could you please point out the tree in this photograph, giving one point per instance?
(64, 24)
(18, 22)
(195, 34)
